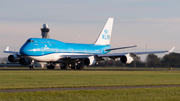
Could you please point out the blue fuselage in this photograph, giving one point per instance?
(41, 47)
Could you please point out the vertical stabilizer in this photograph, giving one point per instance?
(105, 36)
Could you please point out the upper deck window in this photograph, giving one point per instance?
(29, 41)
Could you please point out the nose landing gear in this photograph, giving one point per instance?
(32, 65)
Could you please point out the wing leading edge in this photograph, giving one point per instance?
(135, 53)
(120, 48)
(114, 55)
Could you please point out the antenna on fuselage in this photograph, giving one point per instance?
(45, 31)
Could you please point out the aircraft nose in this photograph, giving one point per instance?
(23, 50)
(29, 47)
(26, 49)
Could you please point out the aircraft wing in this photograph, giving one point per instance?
(135, 53)
(11, 52)
(120, 48)
(114, 55)
(151, 52)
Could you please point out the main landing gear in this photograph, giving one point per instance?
(65, 66)
(79, 67)
(51, 65)
(32, 67)
(72, 66)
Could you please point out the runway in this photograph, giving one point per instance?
(20, 67)
(129, 69)
(87, 88)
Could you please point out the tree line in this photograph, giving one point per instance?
(152, 60)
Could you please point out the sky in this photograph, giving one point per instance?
(150, 24)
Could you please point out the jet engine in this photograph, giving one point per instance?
(126, 59)
(89, 61)
(13, 58)
(24, 61)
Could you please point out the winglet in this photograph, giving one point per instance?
(171, 49)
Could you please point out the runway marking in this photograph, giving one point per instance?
(87, 88)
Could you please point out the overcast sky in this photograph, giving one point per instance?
(151, 23)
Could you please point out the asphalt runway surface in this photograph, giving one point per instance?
(87, 88)
(131, 69)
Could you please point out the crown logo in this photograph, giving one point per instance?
(106, 31)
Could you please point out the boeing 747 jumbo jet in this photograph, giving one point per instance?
(73, 55)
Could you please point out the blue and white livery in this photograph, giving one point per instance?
(73, 55)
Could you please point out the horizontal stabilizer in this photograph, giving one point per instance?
(11, 52)
(7, 49)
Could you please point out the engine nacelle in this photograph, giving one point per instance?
(24, 61)
(89, 61)
(126, 59)
(13, 58)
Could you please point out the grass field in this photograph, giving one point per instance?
(51, 79)
(138, 94)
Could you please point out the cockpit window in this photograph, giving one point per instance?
(30, 41)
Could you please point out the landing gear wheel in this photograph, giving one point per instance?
(73, 66)
(81, 67)
(78, 67)
(51, 66)
(64, 66)
(32, 67)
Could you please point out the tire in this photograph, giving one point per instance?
(81, 67)
(32, 67)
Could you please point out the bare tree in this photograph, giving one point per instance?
(3, 60)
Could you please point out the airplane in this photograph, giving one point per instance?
(72, 55)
